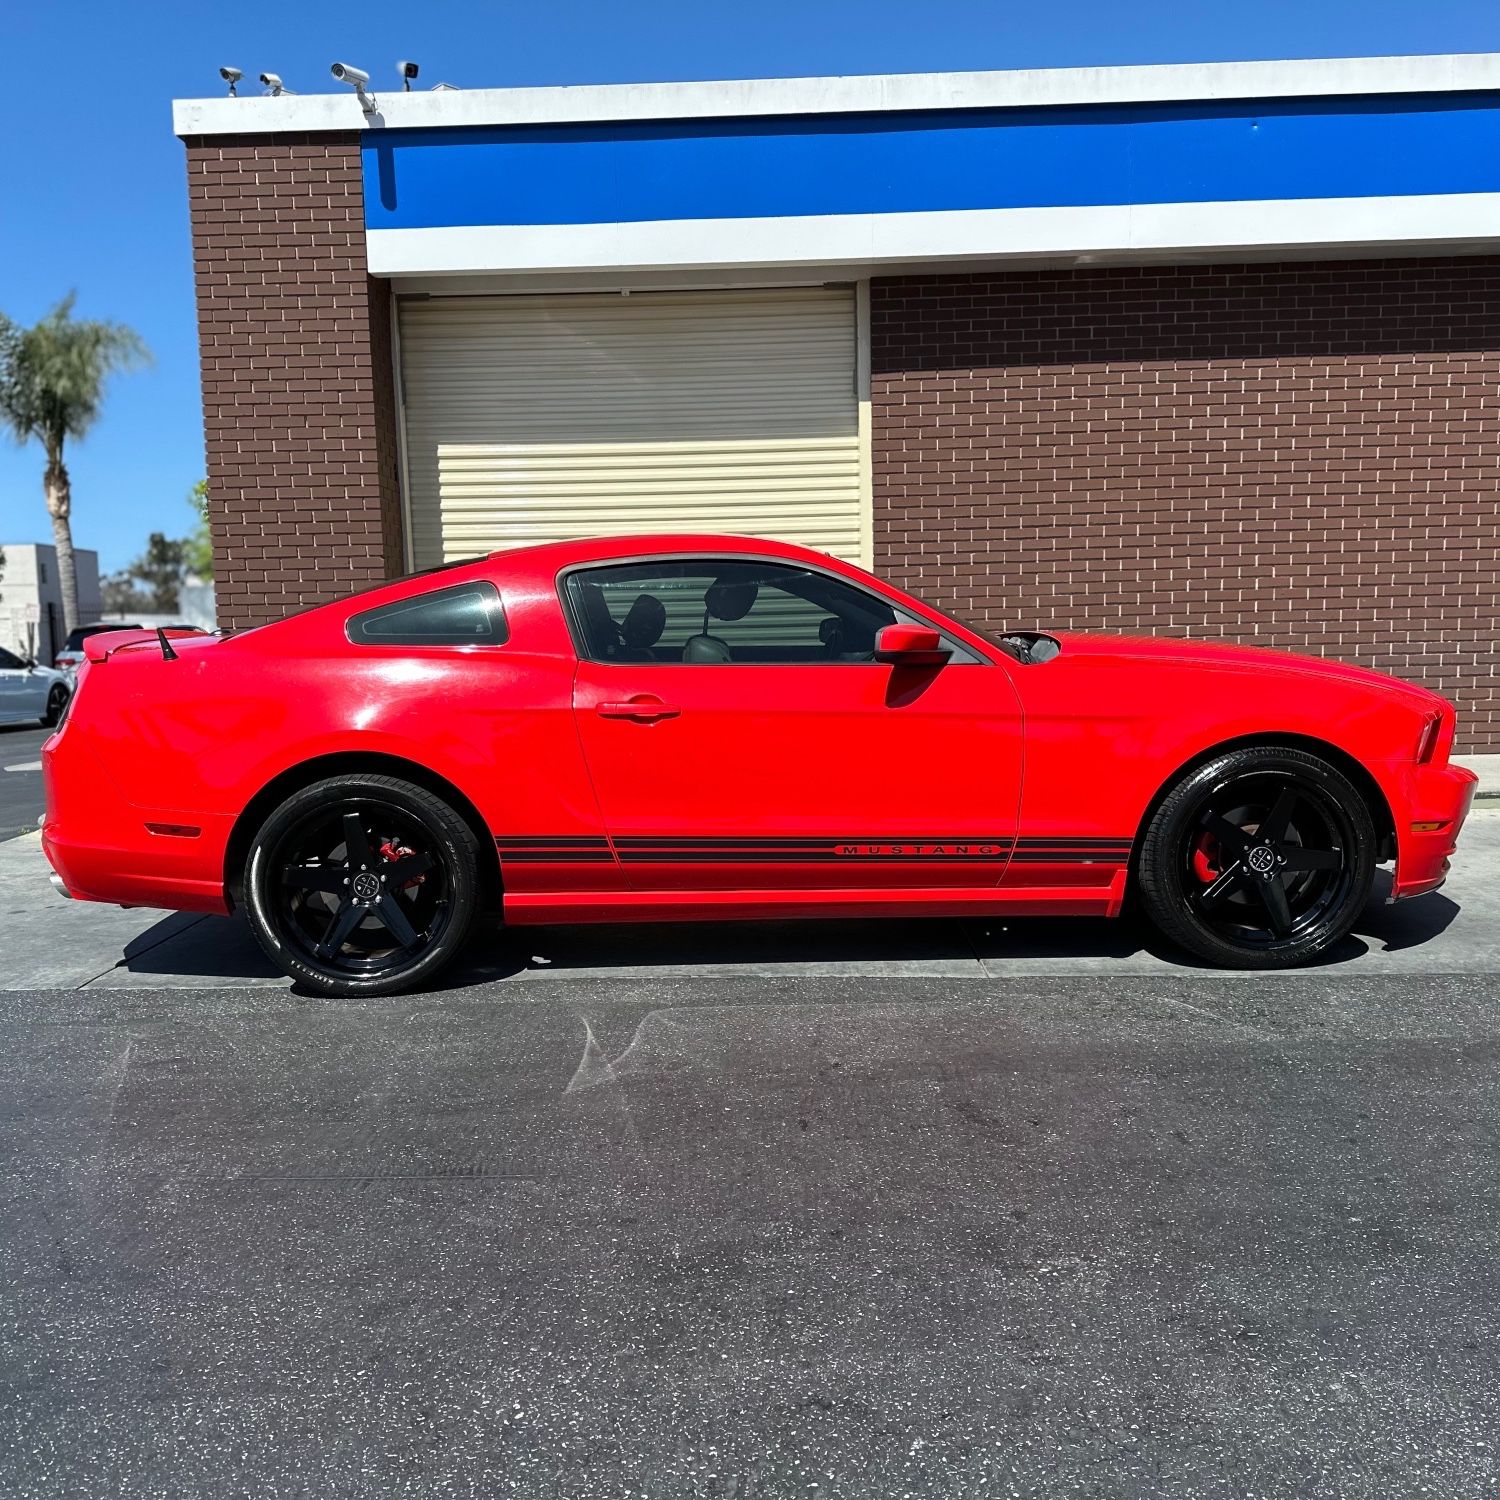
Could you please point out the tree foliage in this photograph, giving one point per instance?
(198, 546)
(52, 375)
(52, 378)
(151, 584)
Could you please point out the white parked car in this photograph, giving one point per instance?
(30, 694)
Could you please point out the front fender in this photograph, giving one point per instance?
(1104, 738)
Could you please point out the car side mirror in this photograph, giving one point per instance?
(911, 646)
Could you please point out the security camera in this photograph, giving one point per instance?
(274, 85)
(356, 78)
(408, 71)
(231, 76)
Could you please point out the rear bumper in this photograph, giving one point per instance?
(130, 875)
(103, 848)
(1437, 800)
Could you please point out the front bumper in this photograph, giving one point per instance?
(1438, 799)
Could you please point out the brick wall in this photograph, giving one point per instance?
(1302, 455)
(298, 405)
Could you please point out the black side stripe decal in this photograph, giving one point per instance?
(591, 850)
(557, 857)
(566, 843)
(1077, 843)
(805, 858)
(558, 851)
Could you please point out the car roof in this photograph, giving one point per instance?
(650, 544)
(544, 561)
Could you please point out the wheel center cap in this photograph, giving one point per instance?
(1261, 859)
(366, 887)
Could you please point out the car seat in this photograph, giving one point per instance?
(641, 629)
(602, 633)
(723, 600)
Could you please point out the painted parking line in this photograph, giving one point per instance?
(31, 765)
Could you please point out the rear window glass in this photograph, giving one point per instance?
(468, 615)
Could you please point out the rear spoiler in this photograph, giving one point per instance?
(102, 646)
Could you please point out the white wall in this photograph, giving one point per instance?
(29, 584)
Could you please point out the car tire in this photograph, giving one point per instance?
(57, 701)
(362, 885)
(1262, 858)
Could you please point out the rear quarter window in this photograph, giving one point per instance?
(469, 614)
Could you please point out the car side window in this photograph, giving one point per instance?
(469, 614)
(8, 662)
(723, 611)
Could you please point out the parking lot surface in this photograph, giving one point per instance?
(815, 1209)
(809, 1235)
(21, 797)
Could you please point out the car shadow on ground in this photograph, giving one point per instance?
(1404, 924)
(222, 949)
(188, 945)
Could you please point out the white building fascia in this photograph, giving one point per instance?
(1326, 77)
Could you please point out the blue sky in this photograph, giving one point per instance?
(93, 181)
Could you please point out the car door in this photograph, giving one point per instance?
(13, 688)
(741, 735)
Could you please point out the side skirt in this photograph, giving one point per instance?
(528, 909)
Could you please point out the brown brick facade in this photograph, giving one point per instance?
(1301, 455)
(298, 398)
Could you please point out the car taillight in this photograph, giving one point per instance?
(1427, 740)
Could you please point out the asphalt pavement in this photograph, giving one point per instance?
(816, 1236)
(21, 796)
(49, 941)
(814, 1209)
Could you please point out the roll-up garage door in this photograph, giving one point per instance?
(534, 419)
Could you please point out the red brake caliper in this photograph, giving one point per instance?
(391, 851)
(1205, 859)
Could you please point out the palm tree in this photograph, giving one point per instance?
(51, 386)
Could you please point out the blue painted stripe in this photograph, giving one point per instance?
(966, 159)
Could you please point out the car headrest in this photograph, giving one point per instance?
(644, 621)
(728, 600)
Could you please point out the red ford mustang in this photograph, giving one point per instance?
(713, 727)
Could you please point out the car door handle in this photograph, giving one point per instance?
(643, 709)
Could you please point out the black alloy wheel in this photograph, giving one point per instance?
(1262, 859)
(57, 701)
(362, 885)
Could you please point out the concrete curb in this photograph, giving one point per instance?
(1488, 767)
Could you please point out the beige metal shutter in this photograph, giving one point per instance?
(534, 419)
